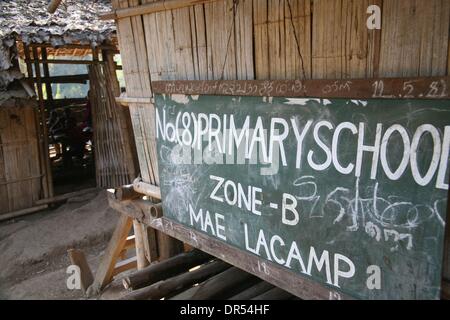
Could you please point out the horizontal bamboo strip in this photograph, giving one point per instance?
(62, 61)
(23, 212)
(125, 101)
(151, 7)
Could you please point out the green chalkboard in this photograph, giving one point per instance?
(351, 194)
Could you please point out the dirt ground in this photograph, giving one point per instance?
(34, 259)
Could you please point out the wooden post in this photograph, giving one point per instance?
(43, 118)
(168, 246)
(41, 149)
(150, 243)
(48, 85)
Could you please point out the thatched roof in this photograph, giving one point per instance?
(74, 21)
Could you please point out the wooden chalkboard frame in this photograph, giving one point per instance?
(300, 286)
(417, 88)
(376, 88)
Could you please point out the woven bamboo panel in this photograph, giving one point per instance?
(20, 175)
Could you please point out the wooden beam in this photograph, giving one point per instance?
(43, 120)
(105, 271)
(53, 5)
(58, 103)
(77, 78)
(379, 88)
(125, 101)
(151, 7)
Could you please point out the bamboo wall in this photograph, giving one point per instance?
(276, 39)
(20, 174)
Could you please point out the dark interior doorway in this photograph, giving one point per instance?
(68, 136)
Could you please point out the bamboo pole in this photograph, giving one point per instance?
(151, 7)
(76, 78)
(142, 261)
(147, 189)
(43, 118)
(48, 85)
(23, 212)
(165, 269)
(38, 130)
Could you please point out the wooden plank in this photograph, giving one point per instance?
(58, 103)
(124, 265)
(105, 270)
(380, 88)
